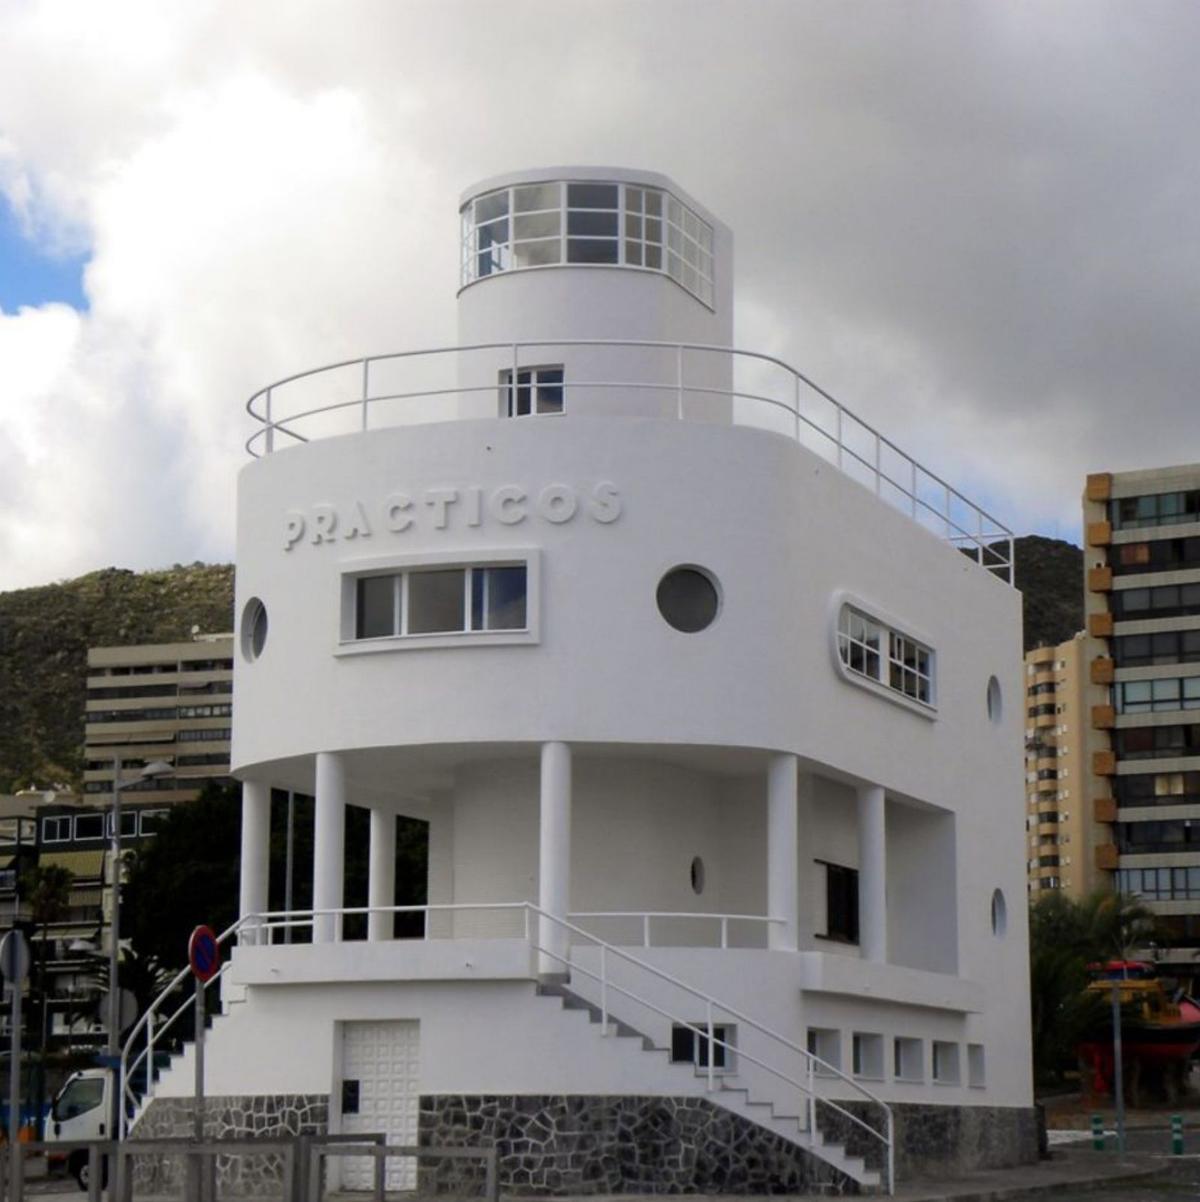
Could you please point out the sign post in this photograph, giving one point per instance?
(204, 956)
(14, 964)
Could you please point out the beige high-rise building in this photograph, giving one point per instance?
(159, 701)
(1060, 791)
(1142, 533)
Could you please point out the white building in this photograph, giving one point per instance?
(715, 726)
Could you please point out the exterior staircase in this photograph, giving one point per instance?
(733, 1097)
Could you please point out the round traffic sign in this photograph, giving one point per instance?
(204, 955)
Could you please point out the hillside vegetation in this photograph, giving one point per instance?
(45, 633)
(1049, 573)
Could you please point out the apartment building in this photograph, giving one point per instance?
(1059, 801)
(159, 701)
(1142, 532)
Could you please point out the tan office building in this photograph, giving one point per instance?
(1066, 822)
(162, 701)
(1143, 606)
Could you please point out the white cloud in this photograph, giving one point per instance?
(973, 223)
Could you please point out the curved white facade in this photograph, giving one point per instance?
(463, 626)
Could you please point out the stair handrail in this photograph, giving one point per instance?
(815, 1064)
(126, 1069)
(813, 1061)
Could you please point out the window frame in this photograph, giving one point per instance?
(848, 887)
(402, 565)
(890, 630)
(510, 397)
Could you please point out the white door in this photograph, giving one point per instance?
(380, 1091)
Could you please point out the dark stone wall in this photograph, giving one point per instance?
(265, 1116)
(615, 1145)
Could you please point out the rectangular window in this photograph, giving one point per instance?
(441, 601)
(841, 903)
(689, 1045)
(976, 1069)
(867, 1056)
(945, 1063)
(825, 1043)
(871, 649)
(89, 826)
(908, 1059)
(56, 829)
(539, 390)
(129, 825)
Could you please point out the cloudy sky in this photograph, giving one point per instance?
(976, 222)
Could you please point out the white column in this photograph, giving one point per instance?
(256, 852)
(329, 839)
(381, 874)
(872, 873)
(783, 879)
(554, 854)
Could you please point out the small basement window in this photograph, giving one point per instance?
(976, 1070)
(539, 391)
(689, 1045)
(945, 1063)
(867, 1057)
(871, 649)
(908, 1059)
(825, 1043)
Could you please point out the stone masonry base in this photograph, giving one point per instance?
(594, 1145)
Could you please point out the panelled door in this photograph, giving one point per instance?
(380, 1091)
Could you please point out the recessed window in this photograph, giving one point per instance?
(867, 1055)
(841, 902)
(825, 1043)
(689, 1045)
(587, 223)
(976, 1067)
(56, 829)
(995, 705)
(697, 875)
(999, 914)
(254, 629)
(908, 1059)
(688, 599)
(89, 826)
(435, 601)
(945, 1063)
(539, 390)
(870, 649)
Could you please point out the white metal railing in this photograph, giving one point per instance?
(536, 923)
(799, 407)
(644, 918)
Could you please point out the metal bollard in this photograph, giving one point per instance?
(1097, 1133)
(1177, 1135)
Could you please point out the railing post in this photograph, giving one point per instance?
(838, 428)
(679, 382)
(512, 384)
(94, 1173)
(604, 989)
(878, 466)
(645, 930)
(724, 931)
(712, 1047)
(912, 476)
(365, 391)
(379, 1153)
(270, 440)
(812, 1099)
(796, 414)
(891, 1152)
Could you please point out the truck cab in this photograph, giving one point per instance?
(82, 1109)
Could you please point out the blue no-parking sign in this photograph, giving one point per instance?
(204, 955)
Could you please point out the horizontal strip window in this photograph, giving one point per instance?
(1157, 555)
(1164, 647)
(870, 649)
(1040, 711)
(217, 735)
(202, 760)
(1156, 742)
(541, 225)
(206, 665)
(205, 711)
(1145, 837)
(1157, 788)
(131, 715)
(430, 601)
(1155, 509)
(1162, 601)
(1160, 884)
(156, 784)
(1156, 696)
(132, 690)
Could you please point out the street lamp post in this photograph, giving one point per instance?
(155, 768)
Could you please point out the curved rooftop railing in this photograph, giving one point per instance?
(679, 380)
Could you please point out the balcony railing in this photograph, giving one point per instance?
(415, 387)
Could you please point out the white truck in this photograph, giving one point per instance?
(82, 1109)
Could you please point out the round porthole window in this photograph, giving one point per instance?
(688, 599)
(999, 914)
(254, 629)
(697, 875)
(995, 703)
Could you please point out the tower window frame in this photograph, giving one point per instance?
(540, 391)
(878, 653)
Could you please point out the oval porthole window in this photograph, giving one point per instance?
(254, 629)
(995, 703)
(688, 599)
(999, 914)
(697, 875)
